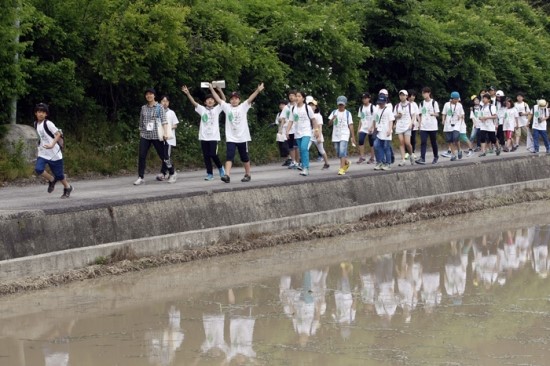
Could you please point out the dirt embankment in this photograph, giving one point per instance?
(124, 260)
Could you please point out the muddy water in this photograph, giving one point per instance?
(465, 290)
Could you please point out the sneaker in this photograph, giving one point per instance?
(346, 167)
(371, 161)
(292, 165)
(226, 179)
(414, 156)
(505, 149)
(490, 151)
(477, 149)
(470, 153)
(534, 151)
(67, 192)
(406, 156)
(378, 166)
(51, 185)
(498, 151)
(209, 177)
(515, 147)
(411, 159)
(320, 158)
(482, 155)
(326, 166)
(221, 171)
(139, 181)
(246, 178)
(172, 178)
(361, 160)
(446, 154)
(287, 162)
(402, 162)
(386, 167)
(436, 159)
(341, 171)
(161, 177)
(453, 158)
(299, 166)
(420, 161)
(305, 172)
(460, 154)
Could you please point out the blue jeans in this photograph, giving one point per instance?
(382, 150)
(56, 166)
(544, 135)
(303, 146)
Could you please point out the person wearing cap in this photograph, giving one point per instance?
(151, 115)
(305, 128)
(237, 133)
(501, 110)
(209, 130)
(282, 125)
(366, 122)
(405, 116)
(475, 112)
(429, 109)
(511, 122)
(320, 139)
(540, 116)
(524, 117)
(452, 119)
(286, 115)
(489, 122)
(49, 151)
(383, 120)
(342, 123)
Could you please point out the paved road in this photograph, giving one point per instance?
(114, 191)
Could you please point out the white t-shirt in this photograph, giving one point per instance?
(488, 110)
(454, 117)
(286, 115)
(539, 113)
(172, 121)
(500, 113)
(340, 130)
(428, 122)
(236, 122)
(510, 116)
(366, 114)
(404, 123)
(209, 129)
(383, 119)
(300, 118)
(522, 108)
(475, 113)
(416, 111)
(319, 119)
(45, 139)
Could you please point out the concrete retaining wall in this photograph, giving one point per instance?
(40, 232)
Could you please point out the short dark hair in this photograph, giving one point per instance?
(165, 96)
(42, 107)
(292, 91)
(486, 95)
(412, 92)
(426, 89)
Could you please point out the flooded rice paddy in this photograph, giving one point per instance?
(464, 290)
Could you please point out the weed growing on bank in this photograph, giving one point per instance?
(13, 165)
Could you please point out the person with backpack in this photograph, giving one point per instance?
(475, 112)
(524, 118)
(383, 119)
(342, 123)
(366, 120)
(167, 171)
(286, 116)
(488, 118)
(416, 125)
(404, 117)
(209, 130)
(452, 120)
(319, 141)
(282, 125)
(50, 151)
(151, 119)
(540, 116)
(510, 123)
(237, 133)
(428, 125)
(304, 123)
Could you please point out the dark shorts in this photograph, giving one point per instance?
(242, 147)
(55, 166)
(452, 136)
(487, 136)
(291, 141)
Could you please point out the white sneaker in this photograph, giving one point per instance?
(139, 181)
(470, 153)
(402, 163)
(446, 154)
(172, 178)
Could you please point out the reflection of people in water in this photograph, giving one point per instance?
(214, 342)
(486, 262)
(241, 328)
(368, 283)
(409, 282)
(508, 257)
(430, 292)
(455, 271)
(345, 303)
(524, 241)
(56, 351)
(385, 302)
(162, 345)
(541, 265)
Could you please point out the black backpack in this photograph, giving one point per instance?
(60, 142)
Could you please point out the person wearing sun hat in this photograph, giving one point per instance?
(540, 116)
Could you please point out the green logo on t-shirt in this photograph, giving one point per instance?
(449, 113)
(296, 117)
(363, 115)
(377, 118)
(231, 117)
(424, 110)
(537, 114)
(204, 118)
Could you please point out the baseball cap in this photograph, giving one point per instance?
(492, 88)
(341, 100)
(499, 93)
(382, 99)
(313, 101)
(455, 95)
(234, 95)
(150, 90)
(383, 91)
(365, 95)
(309, 98)
(474, 96)
(404, 92)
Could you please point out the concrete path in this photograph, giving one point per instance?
(114, 191)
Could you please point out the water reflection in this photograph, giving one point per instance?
(321, 312)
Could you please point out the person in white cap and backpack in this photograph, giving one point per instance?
(540, 116)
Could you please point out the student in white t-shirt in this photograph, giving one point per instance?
(540, 116)
(167, 171)
(416, 124)
(209, 130)
(342, 122)
(237, 134)
(49, 151)
(429, 111)
(488, 118)
(452, 120)
(383, 123)
(366, 121)
(285, 114)
(476, 123)
(524, 117)
(282, 125)
(320, 139)
(405, 116)
(510, 123)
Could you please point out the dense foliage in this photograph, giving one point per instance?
(92, 59)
